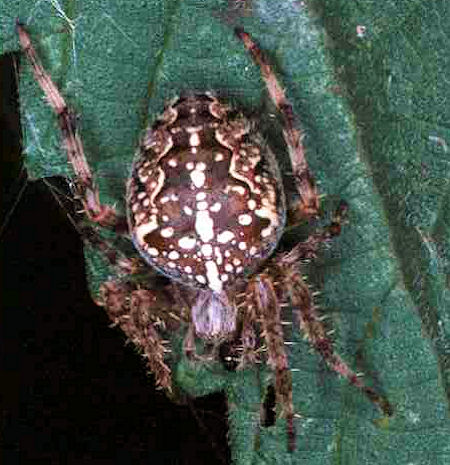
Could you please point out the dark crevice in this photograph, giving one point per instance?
(268, 414)
(71, 391)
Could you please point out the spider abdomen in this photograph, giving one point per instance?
(205, 200)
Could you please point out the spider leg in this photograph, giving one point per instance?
(138, 312)
(124, 265)
(309, 199)
(136, 317)
(308, 249)
(269, 311)
(85, 185)
(249, 338)
(315, 332)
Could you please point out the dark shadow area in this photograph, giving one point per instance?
(71, 391)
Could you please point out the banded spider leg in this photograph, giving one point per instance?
(309, 198)
(285, 267)
(86, 187)
(126, 305)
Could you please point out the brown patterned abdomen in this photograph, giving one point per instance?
(205, 199)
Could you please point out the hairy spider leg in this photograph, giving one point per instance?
(86, 187)
(268, 309)
(262, 291)
(249, 337)
(309, 199)
(138, 312)
(306, 312)
(136, 317)
(308, 249)
(312, 327)
(130, 308)
(122, 310)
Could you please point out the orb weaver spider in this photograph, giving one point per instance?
(206, 208)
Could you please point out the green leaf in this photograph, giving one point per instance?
(376, 137)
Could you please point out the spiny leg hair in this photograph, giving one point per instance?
(301, 297)
(133, 317)
(309, 321)
(268, 309)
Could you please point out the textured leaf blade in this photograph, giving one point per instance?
(117, 66)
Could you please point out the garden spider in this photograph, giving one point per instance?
(206, 207)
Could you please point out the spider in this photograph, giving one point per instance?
(206, 209)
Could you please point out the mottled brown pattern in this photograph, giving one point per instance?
(205, 206)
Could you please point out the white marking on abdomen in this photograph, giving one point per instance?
(204, 225)
(245, 219)
(160, 182)
(187, 242)
(194, 139)
(270, 214)
(212, 273)
(225, 236)
(174, 255)
(216, 207)
(145, 229)
(198, 178)
(167, 232)
(206, 250)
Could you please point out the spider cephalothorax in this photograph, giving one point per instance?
(206, 207)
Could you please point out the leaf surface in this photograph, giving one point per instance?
(376, 137)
